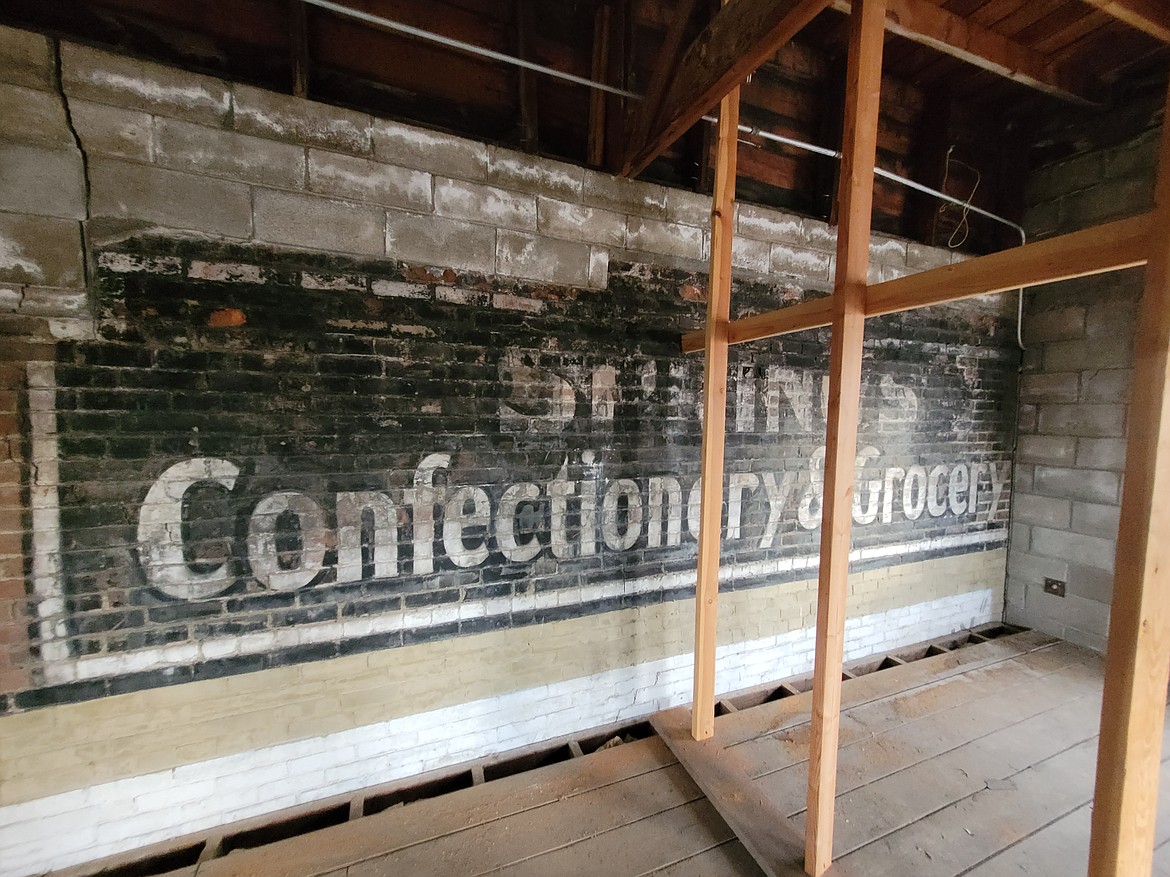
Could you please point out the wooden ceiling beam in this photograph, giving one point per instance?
(1150, 16)
(737, 40)
(929, 25)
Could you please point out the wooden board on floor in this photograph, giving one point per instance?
(757, 822)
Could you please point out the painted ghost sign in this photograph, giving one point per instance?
(364, 471)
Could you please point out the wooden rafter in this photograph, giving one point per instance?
(1137, 661)
(1151, 16)
(931, 25)
(740, 37)
(714, 417)
(599, 71)
(666, 64)
(859, 151)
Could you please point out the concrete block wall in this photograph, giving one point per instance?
(1074, 391)
(237, 317)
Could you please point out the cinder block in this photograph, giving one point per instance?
(169, 198)
(578, 222)
(818, 235)
(887, 251)
(654, 236)
(598, 267)
(34, 117)
(1074, 547)
(1055, 450)
(219, 153)
(1080, 355)
(40, 250)
(43, 182)
(1054, 325)
(624, 195)
(1059, 179)
(1138, 158)
(141, 85)
(113, 131)
(1050, 387)
(319, 223)
(434, 240)
(1112, 200)
(1091, 485)
(924, 258)
(458, 199)
(1072, 612)
(1108, 385)
(1101, 421)
(751, 255)
(1042, 510)
(373, 182)
(539, 258)
(688, 208)
(1096, 519)
(296, 120)
(431, 151)
(767, 225)
(1101, 453)
(800, 262)
(25, 58)
(1089, 582)
(531, 173)
(1112, 321)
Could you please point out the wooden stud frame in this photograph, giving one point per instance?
(1138, 658)
(714, 417)
(1137, 662)
(859, 151)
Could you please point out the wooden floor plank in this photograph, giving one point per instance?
(890, 804)
(729, 859)
(923, 739)
(421, 821)
(492, 845)
(955, 838)
(787, 748)
(757, 822)
(735, 728)
(1062, 847)
(634, 848)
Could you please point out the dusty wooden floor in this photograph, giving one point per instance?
(979, 762)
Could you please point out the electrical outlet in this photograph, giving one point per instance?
(1055, 587)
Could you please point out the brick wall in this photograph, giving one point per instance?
(1074, 389)
(359, 450)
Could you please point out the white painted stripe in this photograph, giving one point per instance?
(77, 826)
(259, 642)
(46, 534)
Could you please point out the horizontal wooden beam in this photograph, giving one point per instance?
(1109, 247)
(737, 40)
(812, 314)
(931, 25)
(1151, 16)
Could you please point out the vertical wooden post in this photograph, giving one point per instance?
(1137, 661)
(859, 148)
(714, 417)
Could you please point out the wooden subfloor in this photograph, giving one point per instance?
(978, 762)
